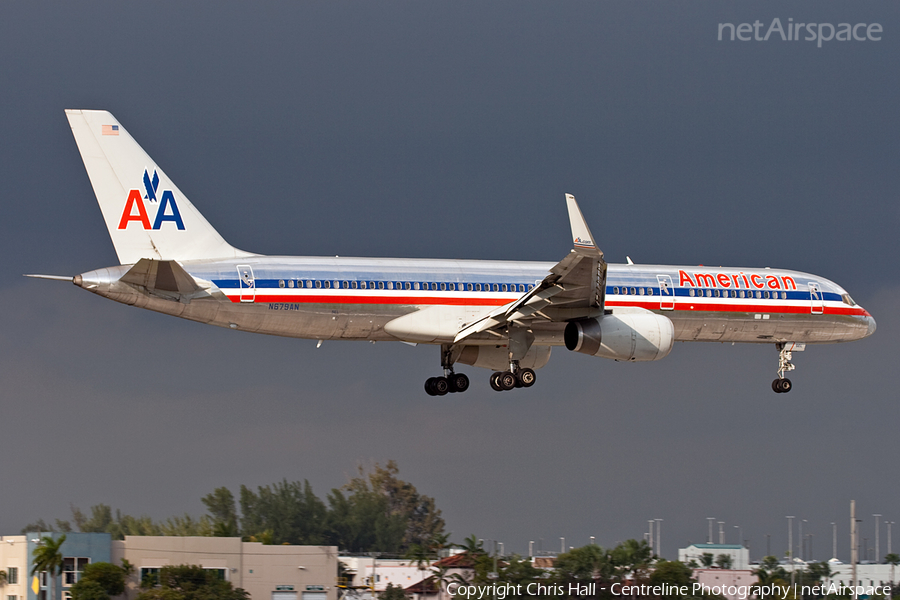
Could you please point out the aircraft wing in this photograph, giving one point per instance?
(575, 287)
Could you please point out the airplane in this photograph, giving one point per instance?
(499, 315)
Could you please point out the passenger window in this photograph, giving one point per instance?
(633, 291)
(390, 285)
(691, 292)
(649, 291)
(784, 295)
(443, 287)
(504, 288)
(327, 285)
(353, 285)
(615, 289)
(281, 283)
(496, 287)
(641, 291)
(477, 287)
(380, 285)
(766, 294)
(290, 283)
(416, 285)
(406, 286)
(318, 283)
(741, 294)
(758, 295)
(346, 285)
(469, 286)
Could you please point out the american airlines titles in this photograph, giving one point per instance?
(736, 280)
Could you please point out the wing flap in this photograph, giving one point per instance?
(575, 287)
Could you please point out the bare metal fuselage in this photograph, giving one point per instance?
(354, 298)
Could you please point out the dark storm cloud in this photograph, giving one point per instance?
(452, 130)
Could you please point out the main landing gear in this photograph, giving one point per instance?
(783, 385)
(515, 377)
(450, 382)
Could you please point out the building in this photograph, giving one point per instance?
(266, 572)
(365, 572)
(78, 550)
(740, 556)
(731, 583)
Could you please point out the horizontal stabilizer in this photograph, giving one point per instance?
(161, 275)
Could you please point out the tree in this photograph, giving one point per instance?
(672, 572)
(724, 561)
(3, 578)
(583, 565)
(892, 559)
(88, 590)
(48, 557)
(107, 575)
(190, 582)
(290, 509)
(221, 507)
(38, 526)
(706, 559)
(404, 508)
(393, 592)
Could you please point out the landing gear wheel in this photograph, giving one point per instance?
(459, 382)
(526, 377)
(440, 386)
(506, 381)
(495, 382)
(782, 386)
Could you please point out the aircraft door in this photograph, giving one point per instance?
(666, 293)
(817, 298)
(247, 283)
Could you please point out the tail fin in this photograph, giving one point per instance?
(146, 214)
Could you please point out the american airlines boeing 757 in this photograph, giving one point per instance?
(499, 315)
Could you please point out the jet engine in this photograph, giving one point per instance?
(497, 358)
(632, 336)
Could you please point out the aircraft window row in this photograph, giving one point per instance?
(634, 291)
(738, 294)
(406, 285)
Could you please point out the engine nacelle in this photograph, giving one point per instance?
(632, 336)
(492, 357)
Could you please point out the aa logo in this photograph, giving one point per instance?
(136, 210)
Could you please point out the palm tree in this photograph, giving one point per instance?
(893, 559)
(48, 557)
(3, 578)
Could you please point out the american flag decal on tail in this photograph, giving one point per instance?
(109, 130)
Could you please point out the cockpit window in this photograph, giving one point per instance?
(848, 300)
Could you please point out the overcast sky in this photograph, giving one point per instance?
(453, 130)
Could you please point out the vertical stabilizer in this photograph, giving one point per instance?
(146, 214)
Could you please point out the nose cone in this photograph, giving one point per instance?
(871, 322)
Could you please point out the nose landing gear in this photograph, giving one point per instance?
(783, 385)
